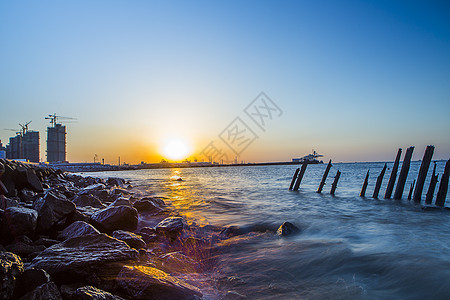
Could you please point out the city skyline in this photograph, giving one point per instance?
(354, 81)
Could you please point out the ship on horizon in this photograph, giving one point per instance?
(309, 159)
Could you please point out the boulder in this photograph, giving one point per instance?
(3, 189)
(46, 291)
(170, 227)
(103, 195)
(91, 188)
(19, 221)
(23, 249)
(30, 279)
(87, 200)
(120, 191)
(133, 240)
(176, 262)
(27, 195)
(115, 181)
(143, 282)
(121, 201)
(115, 218)
(51, 209)
(11, 267)
(78, 228)
(147, 205)
(27, 178)
(157, 201)
(93, 293)
(287, 228)
(7, 202)
(8, 181)
(78, 257)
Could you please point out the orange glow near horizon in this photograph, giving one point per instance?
(176, 149)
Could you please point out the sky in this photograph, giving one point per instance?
(353, 80)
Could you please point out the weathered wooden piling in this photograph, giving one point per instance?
(364, 187)
(403, 174)
(432, 186)
(334, 185)
(294, 178)
(300, 176)
(411, 188)
(324, 177)
(423, 171)
(443, 187)
(379, 181)
(391, 183)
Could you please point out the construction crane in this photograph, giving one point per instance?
(54, 118)
(24, 127)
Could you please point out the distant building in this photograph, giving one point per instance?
(24, 146)
(56, 143)
(2, 150)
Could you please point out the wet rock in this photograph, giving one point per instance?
(90, 188)
(103, 195)
(142, 282)
(232, 231)
(8, 181)
(26, 178)
(11, 267)
(178, 263)
(147, 205)
(45, 241)
(115, 218)
(46, 291)
(51, 209)
(170, 227)
(30, 279)
(3, 189)
(114, 181)
(87, 200)
(23, 249)
(68, 290)
(232, 295)
(19, 221)
(155, 200)
(287, 228)
(7, 202)
(121, 201)
(27, 195)
(133, 240)
(78, 228)
(120, 191)
(93, 293)
(77, 257)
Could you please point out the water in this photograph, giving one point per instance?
(348, 248)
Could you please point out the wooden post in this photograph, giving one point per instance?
(411, 188)
(423, 171)
(432, 187)
(443, 187)
(364, 187)
(390, 186)
(403, 174)
(300, 176)
(379, 181)
(293, 178)
(324, 177)
(334, 185)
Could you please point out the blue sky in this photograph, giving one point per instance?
(355, 79)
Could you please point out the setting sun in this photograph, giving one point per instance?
(176, 149)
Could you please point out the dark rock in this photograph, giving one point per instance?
(45, 241)
(7, 202)
(287, 228)
(51, 209)
(11, 267)
(3, 189)
(19, 221)
(87, 211)
(77, 257)
(90, 188)
(26, 178)
(176, 262)
(23, 249)
(68, 290)
(114, 181)
(232, 231)
(120, 191)
(133, 240)
(147, 205)
(155, 200)
(232, 295)
(170, 227)
(93, 293)
(103, 195)
(121, 201)
(30, 279)
(78, 228)
(87, 200)
(47, 291)
(27, 195)
(8, 181)
(142, 282)
(115, 218)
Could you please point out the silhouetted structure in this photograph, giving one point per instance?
(391, 183)
(56, 143)
(25, 145)
(403, 174)
(364, 187)
(379, 181)
(324, 177)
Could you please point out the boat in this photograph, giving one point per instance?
(309, 159)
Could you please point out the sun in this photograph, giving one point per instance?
(175, 149)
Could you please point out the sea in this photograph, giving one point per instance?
(348, 247)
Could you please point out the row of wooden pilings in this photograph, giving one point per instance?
(416, 188)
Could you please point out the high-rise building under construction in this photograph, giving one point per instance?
(56, 143)
(25, 145)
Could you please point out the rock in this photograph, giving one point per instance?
(93, 293)
(147, 205)
(103, 195)
(87, 200)
(178, 263)
(133, 240)
(23, 249)
(157, 201)
(26, 178)
(78, 228)
(170, 227)
(7, 202)
(115, 218)
(47, 291)
(90, 188)
(142, 282)
(68, 290)
(51, 209)
(8, 181)
(11, 267)
(287, 228)
(121, 201)
(3, 189)
(45, 241)
(19, 221)
(232, 295)
(115, 181)
(27, 195)
(32, 278)
(77, 257)
(120, 191)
